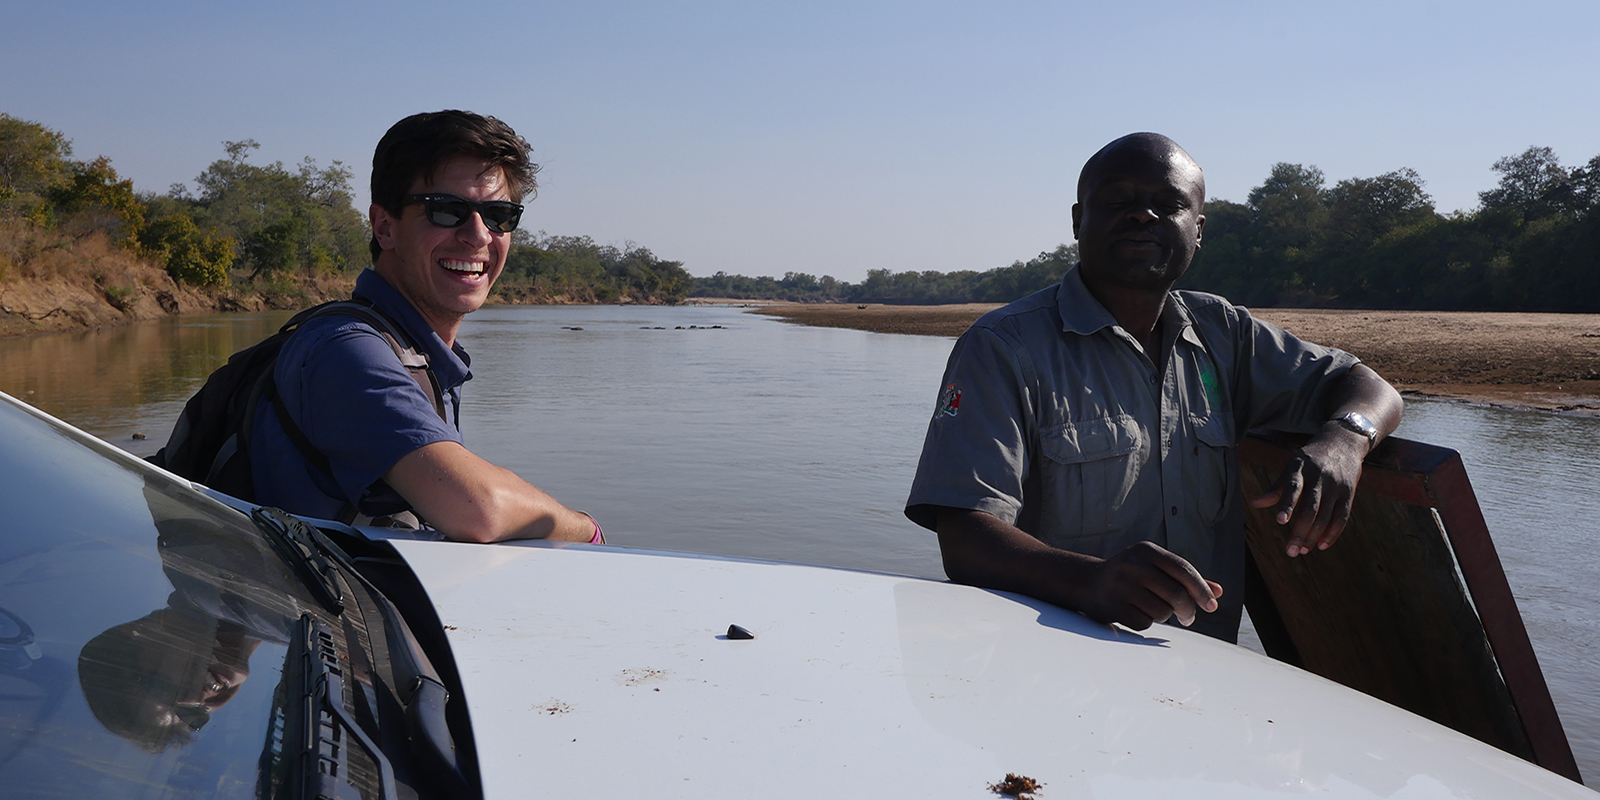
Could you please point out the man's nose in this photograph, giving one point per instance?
(1143, 212)
(473, 231)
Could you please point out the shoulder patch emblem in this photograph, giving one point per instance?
(949, 402)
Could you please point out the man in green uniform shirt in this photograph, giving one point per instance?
(1082, 449)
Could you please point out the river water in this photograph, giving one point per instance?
(713, 430)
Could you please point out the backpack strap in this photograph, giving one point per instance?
(411, 357)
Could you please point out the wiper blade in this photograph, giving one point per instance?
(297, 543)
(317, 730)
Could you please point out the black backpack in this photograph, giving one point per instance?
(210, 443)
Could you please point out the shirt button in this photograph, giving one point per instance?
(1174, 511)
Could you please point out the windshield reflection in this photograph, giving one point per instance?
(156, 680)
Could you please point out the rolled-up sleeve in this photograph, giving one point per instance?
(976, 453)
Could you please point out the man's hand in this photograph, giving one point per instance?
(1315, 491)
(1314, 494)
(1145, 584)
(1141, 585)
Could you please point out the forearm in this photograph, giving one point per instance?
(508, 507)
(980, 550)
(469, 499)
(1368, 394)
(1143, 583)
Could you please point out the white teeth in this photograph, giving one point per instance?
(469, 267)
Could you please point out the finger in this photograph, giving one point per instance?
(1266, 498)
(1216, 588)
(1191, 588)
(1289, 491)
(1152, 606)
(1341, 518)
(1327, 507)
(1310, 518)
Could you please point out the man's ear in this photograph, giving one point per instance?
(382, 225)
(1199, 228)
(1077, 217)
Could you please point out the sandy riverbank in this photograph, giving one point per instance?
(1548, 362)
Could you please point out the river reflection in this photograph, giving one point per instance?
(761, 438)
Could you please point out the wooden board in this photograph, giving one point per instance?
(1410, 606)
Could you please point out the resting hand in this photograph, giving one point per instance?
(1315, 491)
(1146, 583)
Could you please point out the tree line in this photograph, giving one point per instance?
(1533, 244)
(254, 224)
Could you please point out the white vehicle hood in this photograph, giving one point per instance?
(607, 672)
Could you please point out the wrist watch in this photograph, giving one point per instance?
(1358, 422)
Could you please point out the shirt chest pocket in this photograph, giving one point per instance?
(1089, 476)
(1210, 470)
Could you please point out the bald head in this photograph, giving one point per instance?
(1151, 146)
(1138, 217)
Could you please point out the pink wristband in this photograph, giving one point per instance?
(599, 538)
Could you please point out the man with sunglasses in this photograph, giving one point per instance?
(446, 188)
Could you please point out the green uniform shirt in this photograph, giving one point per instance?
(1053, 418)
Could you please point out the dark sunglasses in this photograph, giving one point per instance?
(449, 211)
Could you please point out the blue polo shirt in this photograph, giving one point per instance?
(344, 387)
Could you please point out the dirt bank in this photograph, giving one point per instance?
(1548, 362)
(29, 305)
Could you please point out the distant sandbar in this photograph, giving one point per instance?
(1548, 362)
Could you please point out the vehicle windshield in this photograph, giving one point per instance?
(143, 626)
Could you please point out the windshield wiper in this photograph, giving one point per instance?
(317, 731)
(416, 682)
(297, 543)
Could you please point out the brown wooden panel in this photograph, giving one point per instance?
(1385, 610)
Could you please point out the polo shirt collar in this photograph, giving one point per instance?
(449, 363)
(1082, 314)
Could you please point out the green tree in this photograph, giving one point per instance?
(33, 159)
(1360, 210)
(275, 248)
(1533, 185)
(1289, 207)
(96, 198)
(187, 254)
(302, 220)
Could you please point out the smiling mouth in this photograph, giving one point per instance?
(463, 267)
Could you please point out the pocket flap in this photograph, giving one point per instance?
(1091, 439)
(1215, 430)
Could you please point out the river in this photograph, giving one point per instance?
(708, 429)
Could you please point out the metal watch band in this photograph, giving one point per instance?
(1358, 422)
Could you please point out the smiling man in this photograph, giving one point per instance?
(1082, 449)
(365, 427)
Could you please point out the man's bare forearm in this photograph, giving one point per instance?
(1368, 394)
(469, 499)
(980, 550)
(1142, 584)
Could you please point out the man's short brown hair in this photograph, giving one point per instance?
(415, 146)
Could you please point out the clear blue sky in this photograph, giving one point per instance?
(822, 137)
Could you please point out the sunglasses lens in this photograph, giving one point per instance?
(447, 213)
(500, 218)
